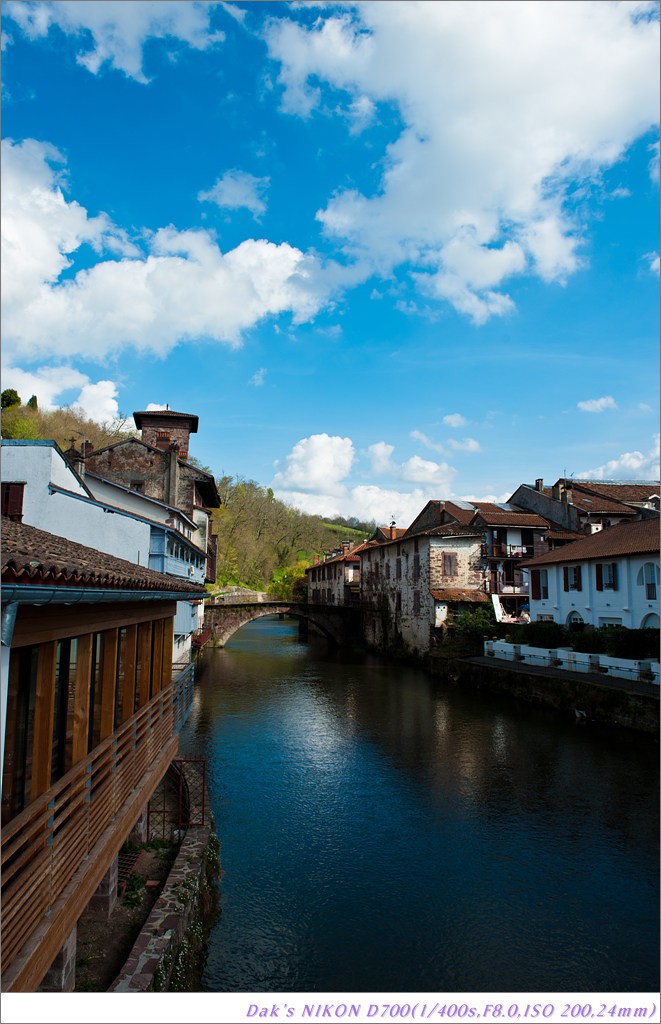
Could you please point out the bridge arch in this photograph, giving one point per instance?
(339, 624)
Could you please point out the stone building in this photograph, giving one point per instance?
(156, 465)
(587, 506)
(412, 585)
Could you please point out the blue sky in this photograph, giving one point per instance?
(387, 252)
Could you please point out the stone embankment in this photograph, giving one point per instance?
(167, 953)
(634, 705)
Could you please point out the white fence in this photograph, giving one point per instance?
(563, 659)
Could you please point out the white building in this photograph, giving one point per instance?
(41, 488)
(610, 578)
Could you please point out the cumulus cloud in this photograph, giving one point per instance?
(184, 287)
(628, 466)
(503, 105)
(55, 386)
(238, 189)
(455, 419)
(467, 444)
(653, 261)
(98, 401)
(597, 404)
(318, 463)
(115, 32)
(317, 477)
(381, 457)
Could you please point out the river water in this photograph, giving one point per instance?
(382, 832)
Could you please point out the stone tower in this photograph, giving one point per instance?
(166, 429)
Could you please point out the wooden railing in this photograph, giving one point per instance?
(44, 845)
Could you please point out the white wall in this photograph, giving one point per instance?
(628, 603)
(82, 521)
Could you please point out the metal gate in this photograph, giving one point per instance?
(179, 802)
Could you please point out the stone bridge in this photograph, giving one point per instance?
(339, 623)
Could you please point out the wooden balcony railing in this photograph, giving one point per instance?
(45, 845)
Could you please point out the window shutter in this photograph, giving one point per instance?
(600, 576)
(12, 501)
(614, 575)
(565, 578)
(534, 581)
(578, 578)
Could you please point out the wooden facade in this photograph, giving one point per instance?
(91, 727)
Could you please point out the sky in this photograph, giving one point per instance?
(386, 252)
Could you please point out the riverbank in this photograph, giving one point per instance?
(585, 696)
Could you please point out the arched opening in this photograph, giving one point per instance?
(574, 618)
(651, 621)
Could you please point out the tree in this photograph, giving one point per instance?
(10, 397)
(32, 403)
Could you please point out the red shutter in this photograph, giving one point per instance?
(12, 501)
(600, 576)
(565, 577)
(534, 582)
(578, 578)
(614, 575)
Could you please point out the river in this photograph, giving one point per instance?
(382, 832)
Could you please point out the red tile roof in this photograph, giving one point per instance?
(639, 538)
(33, 556)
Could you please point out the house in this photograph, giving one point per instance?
(51, 490)
(413, 584)
(157, 466)
(609, 578)
(509, 534)
(91, 708)
(335, 578)
(587, 506)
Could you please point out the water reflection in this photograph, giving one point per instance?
(382, 832)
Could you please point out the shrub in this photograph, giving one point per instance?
(540, 634)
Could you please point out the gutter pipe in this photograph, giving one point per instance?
(39, 595)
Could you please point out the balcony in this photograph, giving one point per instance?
(57, 850)
(507, 551)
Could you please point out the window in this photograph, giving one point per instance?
(606, 573)
(539, 584)
(398, 602)
(398, 569)
(416, 602)
(387, 570)
(137, 485)
(416, 568)
(649, 576)
(572, 577)
(12, 501)
(449, 563)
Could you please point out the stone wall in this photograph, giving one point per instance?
(167, 954)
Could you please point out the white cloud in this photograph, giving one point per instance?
(424, 471)
(52, 385)
(598, 404)
(503, 106)
(653, 261)
(418, 435)
(319, 463)
(468, 444)
(118, 30)
(185, 287)
(628, 466)
(238, 189)
(380, 455)
(258, 377)
(98, 401)
(155, 407)
(455, 419)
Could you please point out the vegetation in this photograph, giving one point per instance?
(613, 641)
(264, 544)
(29, 423)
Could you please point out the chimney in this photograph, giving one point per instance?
(75, 460)
(539, 484)
(316, 560)
(173, 475)
(346, 546)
